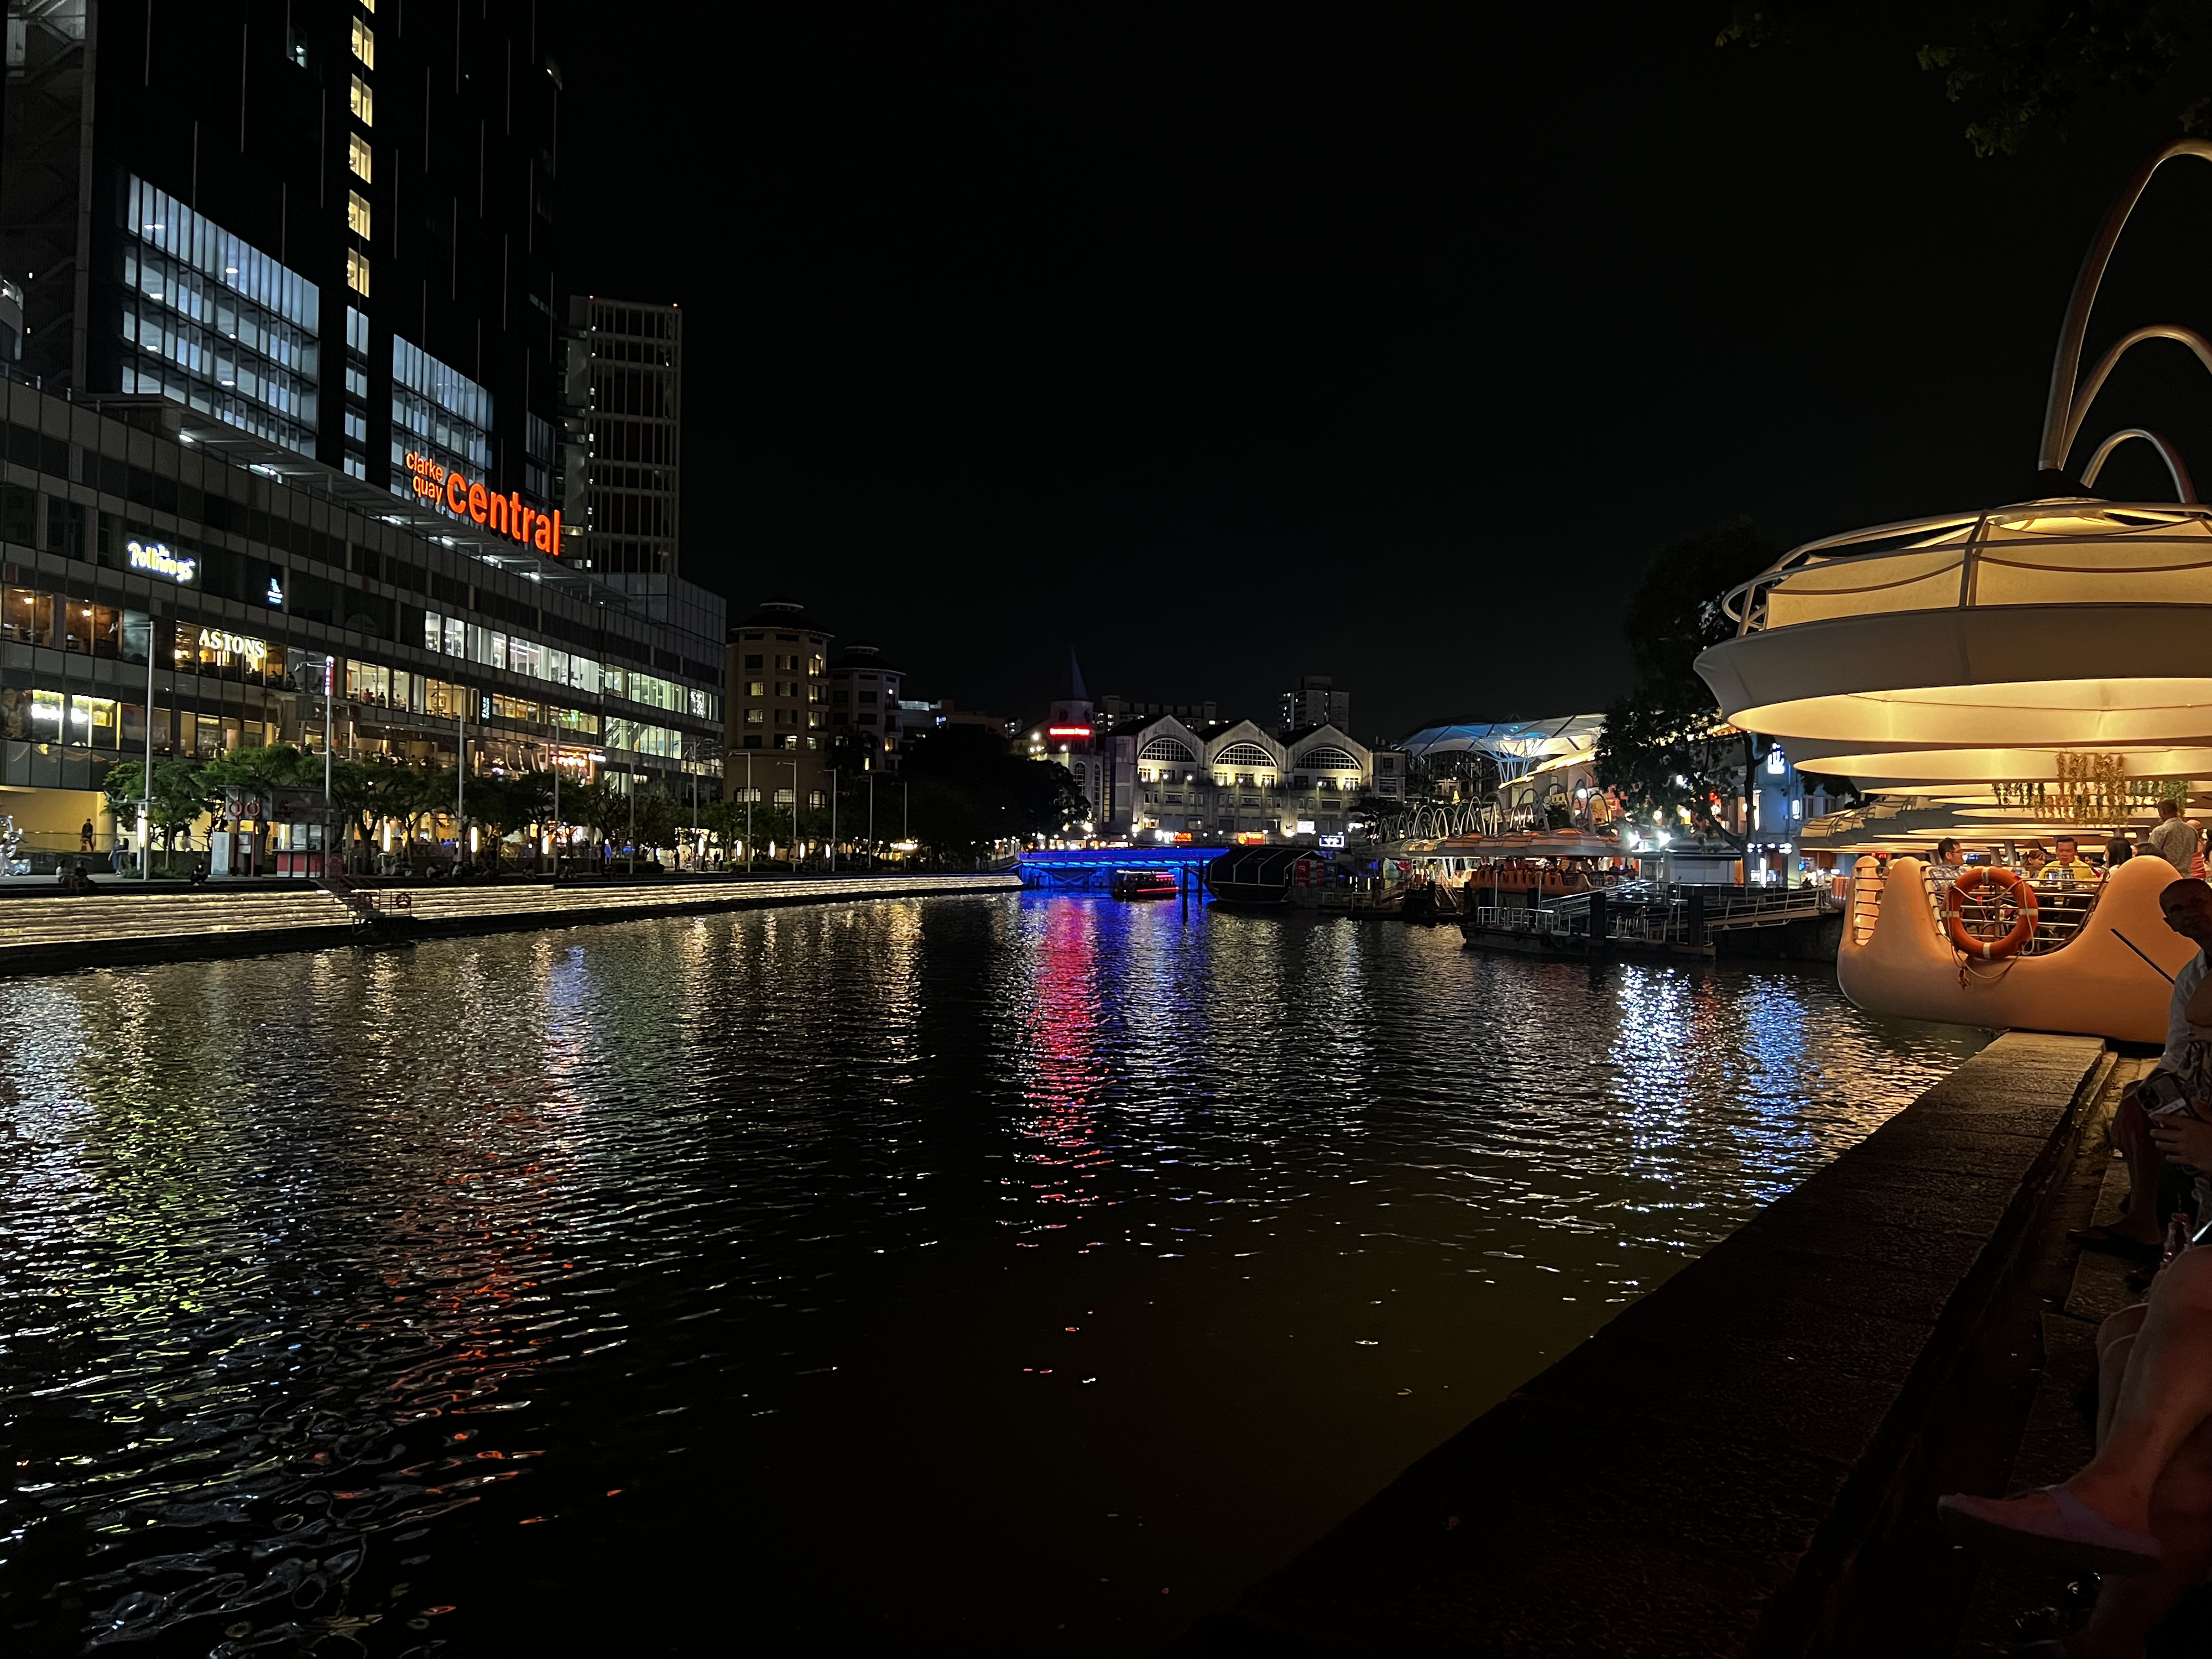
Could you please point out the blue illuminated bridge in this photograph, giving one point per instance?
(1091, 869)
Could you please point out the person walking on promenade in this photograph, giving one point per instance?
(84, 838)
(2173, 838)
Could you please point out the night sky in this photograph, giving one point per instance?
(1386, 345)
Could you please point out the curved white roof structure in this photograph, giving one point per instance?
(1982, 647)
(1517, 746)
(1972, 646)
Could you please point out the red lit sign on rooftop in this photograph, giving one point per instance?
(1068, 731)
(464, 498)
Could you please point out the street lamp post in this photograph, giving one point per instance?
(832, 820)
(792, 851)
(146, 781)
(554, 749)
(749, 813)
(329, 747)
(872, 820)
(461, 783)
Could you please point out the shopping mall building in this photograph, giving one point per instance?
(293, 400)
(259, 577)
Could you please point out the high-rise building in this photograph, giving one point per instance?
(777, 671)
(866, 716)
(1313, 702)
(287, 381)
(336, 232)
(622, 431)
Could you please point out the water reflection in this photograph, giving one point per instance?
(1029, 1271)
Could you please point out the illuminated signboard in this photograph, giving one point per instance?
(156, 557)
(256, 652)
(1068, 731)
(466, 498)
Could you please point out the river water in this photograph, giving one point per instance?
(1013, 1273)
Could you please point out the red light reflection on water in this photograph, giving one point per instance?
(1065, 1076)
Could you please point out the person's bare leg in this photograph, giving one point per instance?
(2165, 1394)
(2116, 1340)
(2131, 1134)
(2129, 1607)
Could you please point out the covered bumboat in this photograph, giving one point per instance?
(2106, 978)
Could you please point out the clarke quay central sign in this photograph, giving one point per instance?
(466, 498)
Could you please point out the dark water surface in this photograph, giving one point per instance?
(1008, 1275)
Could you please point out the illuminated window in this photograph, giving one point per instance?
(364, 44)
(357, 152)
(364, 103)
(357, 271)
(357, 216)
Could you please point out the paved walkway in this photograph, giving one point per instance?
(50, 931)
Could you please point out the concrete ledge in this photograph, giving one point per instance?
(619, 903)
(1697, 1478)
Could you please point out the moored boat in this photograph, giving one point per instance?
(1131, 884)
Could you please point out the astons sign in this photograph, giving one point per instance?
(466, 498)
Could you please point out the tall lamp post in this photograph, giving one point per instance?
(553, 749)
(146, 780)
(832, 820)
(461, 781)
(749, 813)
(329, 747)
(872, 820)
(792, 852)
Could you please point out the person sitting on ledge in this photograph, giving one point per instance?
(2187, 905)
(2140, 1510)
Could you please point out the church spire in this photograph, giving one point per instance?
(1076, 693)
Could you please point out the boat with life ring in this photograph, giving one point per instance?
(2109, 977)
(2020, 893)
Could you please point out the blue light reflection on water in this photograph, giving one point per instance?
(1039, 1269)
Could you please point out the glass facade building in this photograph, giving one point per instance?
(254, 575)
(213, 322)
(625, 398)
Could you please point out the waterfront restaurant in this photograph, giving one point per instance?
(284, 601)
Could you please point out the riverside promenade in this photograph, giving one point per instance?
(1746, 1462)
(43, 931)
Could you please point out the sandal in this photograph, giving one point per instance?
(2049, 1526)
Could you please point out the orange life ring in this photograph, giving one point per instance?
(2023, 926)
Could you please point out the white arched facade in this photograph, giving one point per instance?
(1243, 780)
